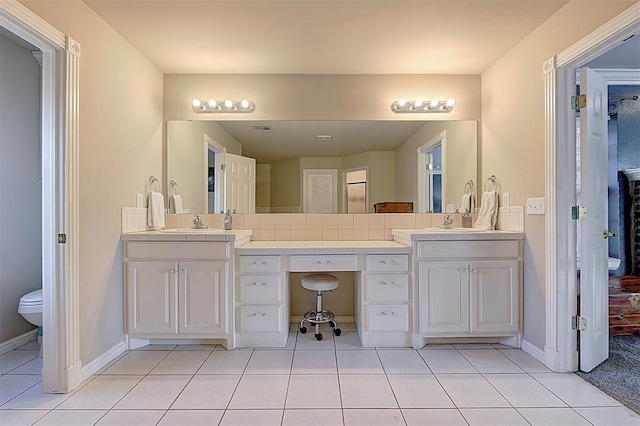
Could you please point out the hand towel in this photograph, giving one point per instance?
(176, 203)
(155, 211)
(465, 203)
(488, 214)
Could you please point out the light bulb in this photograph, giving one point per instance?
(213, 103)
(228, 103)
(418, 103)
(450, 102)
(402, 102)
(196, 103)
(434, 103)
(244, 103)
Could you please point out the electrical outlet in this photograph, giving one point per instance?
(506, 199)
(535, 206)
(139, 200)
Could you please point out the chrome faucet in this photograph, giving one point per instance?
(197, 223)
(447, 224)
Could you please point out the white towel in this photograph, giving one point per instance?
(176, 203)
(467, 203)
(488, 214)
(155, 212)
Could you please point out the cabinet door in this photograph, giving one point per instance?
(444, 297)
(151, 298)
(495, 296)
(201, 297)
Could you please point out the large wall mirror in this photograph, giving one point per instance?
(319, 166)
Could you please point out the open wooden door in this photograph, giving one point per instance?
(594, 307)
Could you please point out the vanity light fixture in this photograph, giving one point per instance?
(214, 106)
(420, 106)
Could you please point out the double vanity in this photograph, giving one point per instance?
(427, 285)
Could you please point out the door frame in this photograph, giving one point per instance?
(425, 203)
(560, 351)
(211, 144)
(60, 129)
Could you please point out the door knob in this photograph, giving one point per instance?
(606, 234)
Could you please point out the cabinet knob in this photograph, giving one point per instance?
(182, 271)
(172, 271)
(465, 269)
(474, 270)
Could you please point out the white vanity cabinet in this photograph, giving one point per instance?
(385, 316)
(177, 289)
(469, 289)
(261, 302)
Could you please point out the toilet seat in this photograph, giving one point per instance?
(31, 302)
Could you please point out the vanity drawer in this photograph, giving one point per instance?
(313, 263)
(260, 289)
(388, 318)
(177, 250)
(256, 264)
(387, 263)
(256, 319)
(468, 249)
(387, 288)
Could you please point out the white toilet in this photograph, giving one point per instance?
(31, 307)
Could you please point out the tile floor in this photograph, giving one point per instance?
(332, 382)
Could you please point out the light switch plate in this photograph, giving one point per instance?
(506, 199)
(139, 200)
(535, 206)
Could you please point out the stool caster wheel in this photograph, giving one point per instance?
(337, 331)
(303, 330)
(332, 324)
(319, 336)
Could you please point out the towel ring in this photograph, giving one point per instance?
(174, 188)
(154, 184)
(468, 187)
(492, 180)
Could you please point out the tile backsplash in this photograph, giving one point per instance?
(320, 227)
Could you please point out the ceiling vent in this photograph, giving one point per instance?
(261, 127)
(324, 138)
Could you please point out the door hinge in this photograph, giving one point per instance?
(578, 212)
(579, 323)
(223, 167)
(578, 102)
(62, 238)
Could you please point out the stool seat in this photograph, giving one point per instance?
(319, 282)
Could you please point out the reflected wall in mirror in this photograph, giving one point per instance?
(374, 161)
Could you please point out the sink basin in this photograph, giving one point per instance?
(191, 230)
(454, 230)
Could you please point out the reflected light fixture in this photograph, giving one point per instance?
(214, 106)
(420, 106)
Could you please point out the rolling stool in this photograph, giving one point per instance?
(319, 283)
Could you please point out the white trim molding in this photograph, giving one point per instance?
(560, 352)
(60, 94)
(103, 360)
(18, 341)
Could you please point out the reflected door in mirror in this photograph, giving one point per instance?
(319, 190)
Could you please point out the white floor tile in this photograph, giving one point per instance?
(34, 399)
(154, 393)
(71, 418)
(446, 361)
(308, 340)
(226, 362)
(359, 417)
(348, 340)
(103, 392)
(137, 362)
(14, 359)
(181, 362)
(490, 361)
(191, 417)
(31, 346)
(553, 417)
(313, 392)
(471, 391)
(525, 361)
(347, 326)
(131, 417)
(420, 391)
(436, 346)
(366, 391)
(306, 361)
(13, 385)
(473, 346)
(493, 417)
(329, 417)
(32, 367)
(260, 392)
(402, 361)
(358, 362)
(21, 417)
(574, 391)
(291, 340)
(608, 416)
(196, 348)
(207, 392)
(433, 417)
(521, 390)
(252, 417)
(270, 362)
(157, 347)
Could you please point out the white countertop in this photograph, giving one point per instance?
(322, 247)
(239, 236)
(456, 234)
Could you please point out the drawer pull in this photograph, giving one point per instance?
(320, 262)
(264, 262)
(255, 284)
(259, 314)
(384, 313)
(387, 283)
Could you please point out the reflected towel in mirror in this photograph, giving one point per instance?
(176, 204)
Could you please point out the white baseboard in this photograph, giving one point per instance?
(94, 366)
(534, 351)
(16, 342)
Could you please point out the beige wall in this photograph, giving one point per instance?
(263, 188)
(513, 134)
(120, 146)
(286, 186)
